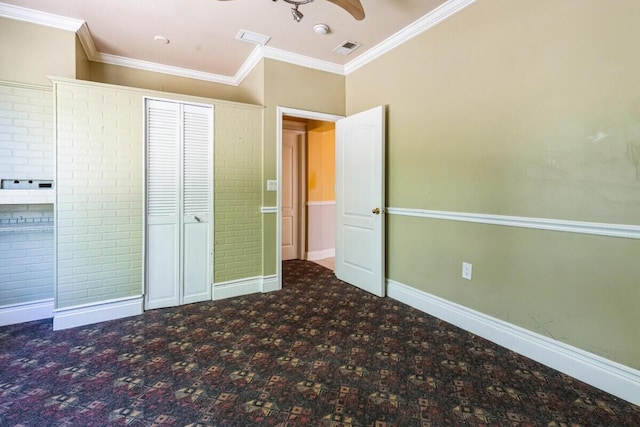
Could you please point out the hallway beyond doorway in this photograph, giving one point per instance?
(329, 263)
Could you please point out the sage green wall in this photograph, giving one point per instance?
(527, 108)
(292, 86)
(237, 192)
(29, 52)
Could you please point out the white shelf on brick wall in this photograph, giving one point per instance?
(26, 197)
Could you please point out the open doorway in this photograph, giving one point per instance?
(308, 190)
(359, 193)
(314, 197)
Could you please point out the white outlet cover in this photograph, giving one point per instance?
(467, 270)
(272, 185)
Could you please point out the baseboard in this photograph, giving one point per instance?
(316, 255)
(270, 283)
(236, 288)
(607, 375)
(87, 314)
(26, 312)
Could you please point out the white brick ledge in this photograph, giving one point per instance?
(617, 379)
(20, 85)
(597, 228)
(27, 197)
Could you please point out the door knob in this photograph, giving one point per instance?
(376, 211)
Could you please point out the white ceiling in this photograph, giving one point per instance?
(202, 33)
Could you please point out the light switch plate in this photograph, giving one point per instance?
(467, 270)
(272, 185)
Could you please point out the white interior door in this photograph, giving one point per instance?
(179, 187)
(360, 219)
(289, 195)
(197, 180)
(162, 246)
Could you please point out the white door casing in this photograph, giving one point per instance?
(360, 200)
(178, 203)
(290, 227)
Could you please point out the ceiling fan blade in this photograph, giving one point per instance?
(354, 7)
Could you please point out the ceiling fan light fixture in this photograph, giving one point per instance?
(297, 15)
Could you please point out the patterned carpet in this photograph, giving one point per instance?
(317, 353)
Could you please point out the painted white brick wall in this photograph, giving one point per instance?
(26, 132)
(99, 175)
(26, 270)
(26, 152)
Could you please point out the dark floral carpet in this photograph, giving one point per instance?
(317, 353)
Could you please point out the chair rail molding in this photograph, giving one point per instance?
(597, 228)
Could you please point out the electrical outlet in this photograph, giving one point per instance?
(467, 269)
(272, 185)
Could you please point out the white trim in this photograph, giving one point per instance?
(597, 228)
(428, 21)
(102, 311)
(26, 312)
(84, 35)
(42, 18)
(610, 376)
(317, 255)
(169, 96)
(250, 285)
(25, 85)
(236, 288)
(269, 209)
(270, 283)
(323, 203)
(247, 67)
(165, 69)
(27, 197)
(301, 60)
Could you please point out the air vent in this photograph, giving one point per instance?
(346, 47)
(251, 37)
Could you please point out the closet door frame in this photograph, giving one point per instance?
(180, 299)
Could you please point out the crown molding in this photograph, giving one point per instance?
(439, 14)
(162, 68)
(301, 60)
(252, 60)
(84, 35)
(41, 18)
(429, 20)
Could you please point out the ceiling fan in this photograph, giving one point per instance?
(354, 7)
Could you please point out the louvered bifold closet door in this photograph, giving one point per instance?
(162, 204)
(197, 189)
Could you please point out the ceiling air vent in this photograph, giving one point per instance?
(347, 47)
(251, 37)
